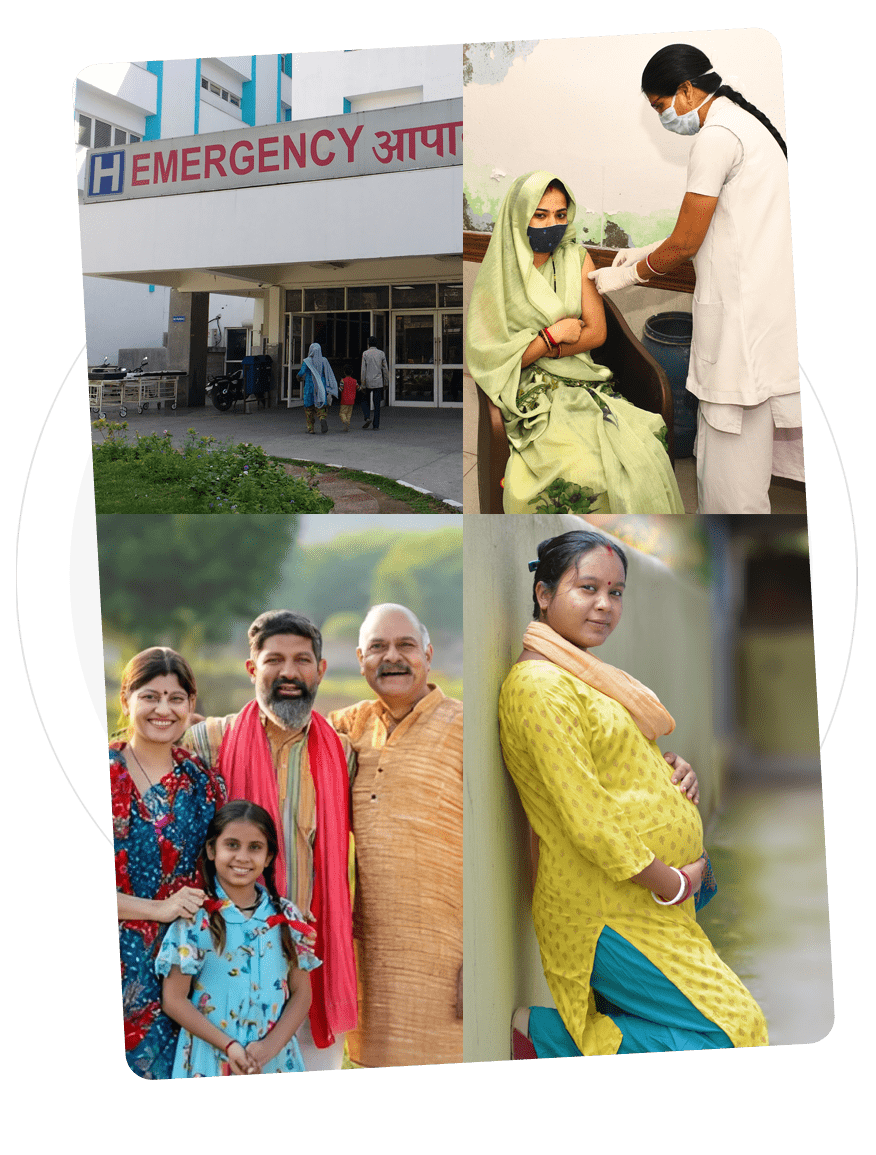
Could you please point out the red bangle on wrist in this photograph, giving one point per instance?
(230, 1043)
(688, 888)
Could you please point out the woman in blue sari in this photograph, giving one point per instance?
(319, 385)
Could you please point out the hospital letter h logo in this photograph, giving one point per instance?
(107, 174)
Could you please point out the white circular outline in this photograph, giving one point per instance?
(17, 615)
(21, 638)
(854, 538)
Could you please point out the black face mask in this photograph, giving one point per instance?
(545, 240)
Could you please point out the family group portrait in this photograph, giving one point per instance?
(286, 795)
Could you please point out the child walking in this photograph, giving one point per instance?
(349, 385)
(235, 977)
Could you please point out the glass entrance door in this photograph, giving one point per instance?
(413, 358)
(342, 337)
(299, 335)
(427, 358)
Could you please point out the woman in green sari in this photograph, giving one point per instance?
(576, 445)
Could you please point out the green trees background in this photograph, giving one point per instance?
(195, 582)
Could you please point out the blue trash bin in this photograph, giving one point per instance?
(257, 374)
(667, 338)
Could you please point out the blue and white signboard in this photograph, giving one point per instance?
(106, 173)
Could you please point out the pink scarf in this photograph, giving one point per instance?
(652, 718)
(246, 765)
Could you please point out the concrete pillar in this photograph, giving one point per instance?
(272, 333)
(187, 343)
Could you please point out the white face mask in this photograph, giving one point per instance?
(688, 123)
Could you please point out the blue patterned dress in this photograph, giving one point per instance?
(157, 839)
(243, 990)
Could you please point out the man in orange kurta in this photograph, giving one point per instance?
(407, 826)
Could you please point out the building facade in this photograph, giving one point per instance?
(323, 188)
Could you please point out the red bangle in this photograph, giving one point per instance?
(549, 338)
(688, 889)
(230, 1043)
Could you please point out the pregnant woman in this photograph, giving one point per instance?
(620, 846)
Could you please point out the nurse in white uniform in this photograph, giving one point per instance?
(735, 225)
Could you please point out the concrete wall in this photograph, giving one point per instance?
(322, 80)
(664, 640)
(385, 215)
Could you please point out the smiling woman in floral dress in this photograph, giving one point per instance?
(163, 799)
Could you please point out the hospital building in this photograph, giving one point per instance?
(260, 203)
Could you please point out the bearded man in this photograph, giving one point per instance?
(279, 752)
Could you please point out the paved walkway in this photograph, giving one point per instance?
(419, 447)
(350, 496)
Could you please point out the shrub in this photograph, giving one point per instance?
(216, 477)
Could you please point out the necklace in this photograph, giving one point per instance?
(140, 766)
(554, 266)
(254, 905)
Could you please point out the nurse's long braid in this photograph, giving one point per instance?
(738, 98)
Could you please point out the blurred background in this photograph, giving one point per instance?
(195, 582)
(718, 622)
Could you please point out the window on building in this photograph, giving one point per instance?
(450, 296)
(94, 133)
(413, 296)
(323, 299)
(217, 90)
(363, 297)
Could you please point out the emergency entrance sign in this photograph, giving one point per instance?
(411, 136)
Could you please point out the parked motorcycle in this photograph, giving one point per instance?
(226, 388)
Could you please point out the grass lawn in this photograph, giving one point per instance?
(131, 487)
(206, 476)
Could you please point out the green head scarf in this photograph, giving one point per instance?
(512, 300)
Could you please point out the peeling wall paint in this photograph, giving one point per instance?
(641, 229)
(619, 230)
(489, 63)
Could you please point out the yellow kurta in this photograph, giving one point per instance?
(407, 918)
(599, 796)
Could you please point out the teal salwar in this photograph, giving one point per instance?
(649, 1010)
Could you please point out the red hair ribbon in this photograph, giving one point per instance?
(303, 928)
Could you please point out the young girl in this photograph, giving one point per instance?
(235, 978)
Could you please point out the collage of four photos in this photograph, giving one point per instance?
(557, 474)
